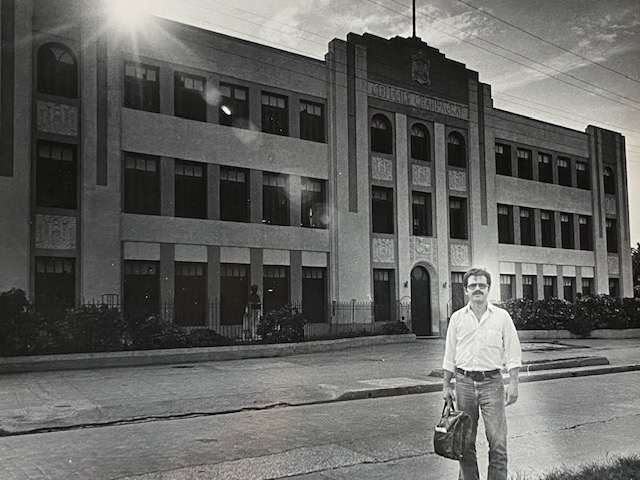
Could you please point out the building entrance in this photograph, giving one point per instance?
(420, 301)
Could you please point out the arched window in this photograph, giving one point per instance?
(456, 151)
(609, 181)
(420, 144)
(381, 134)
(57, 71)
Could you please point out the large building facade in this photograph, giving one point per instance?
(176, 166)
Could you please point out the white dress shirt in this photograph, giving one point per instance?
(481, 345)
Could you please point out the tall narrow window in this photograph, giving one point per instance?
(276, 287)
(421, 213)
(569, 288)
(382, 295)
(189, 97)
(313, 211)
(457, 291)
(527, 230)
(566, 230)
(564, 171)
(583, 177)
(612, 235)
(507, 287)
(56, 175)
(311, 121)
(275, 114)
(505, 224)
(234, 194)
(191, 189)
(141, 87)
(458, 217)
(548, 228)
(141, 184)
(55, 283)
(503, 159)
(525, 166)
(314, 294)
(586, 233)
(381, 134)
(382, 210)
(234, 106)
(190, 303)
(234, 291)
(529, 287)
(275, 199)
(614, 287)
(456, 150)
(609, 181)
(57, 71)
(550, 288)
(420, 144)
(141, 288)
(545, 169)
(587, 286)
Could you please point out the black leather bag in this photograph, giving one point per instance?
(452, 434)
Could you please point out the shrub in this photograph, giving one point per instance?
(284, 325)
(550, 314)
(153, 332)
(206, 337)
(520, 310)
(19, 325)
(395, 328)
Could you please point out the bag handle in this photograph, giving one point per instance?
(446, 410)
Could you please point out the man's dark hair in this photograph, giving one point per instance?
(476, 272)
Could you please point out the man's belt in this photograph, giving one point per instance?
(477, 375)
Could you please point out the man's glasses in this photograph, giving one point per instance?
(481, 286)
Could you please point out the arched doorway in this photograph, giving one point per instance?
(420, 301)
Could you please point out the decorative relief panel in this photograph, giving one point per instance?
(384, 250)
(421, 175)
(610, 205)
(57, 118)
(55, 232)
(457, 180)
(381, 168)
(459, 254)
(613, 264)
(422, 248)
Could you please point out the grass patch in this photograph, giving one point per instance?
(620, 468)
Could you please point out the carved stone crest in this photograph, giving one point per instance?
(55, 232)
(57, 118)
(420, 68)
(383, 250)
(459, 254)
(421, 175)
(381, 169)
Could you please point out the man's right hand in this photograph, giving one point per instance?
(449, 395)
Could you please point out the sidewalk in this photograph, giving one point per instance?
(45, 400)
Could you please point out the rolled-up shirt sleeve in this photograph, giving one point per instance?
(450, 347)
(512, 349)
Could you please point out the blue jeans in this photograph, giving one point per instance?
(487, 396)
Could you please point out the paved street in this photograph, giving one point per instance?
(556, 421)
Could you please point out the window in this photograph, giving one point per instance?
(505, 224)
(527, 229)
(586, 233)
(587, 286)
(503, 159)
(381, 134)
(276, 287)
(458, 217)
(234, 291)
(545, 169)
(457, 291)
(234, 106)
(420, 143)
(141, 87)
(275, 114)
(382, 210)
(550, 288)
(529, 287)
(191, 189)
(525, 166)
(275, 199)
(456, 150)
(234, 194)
(314, 294)
(190, 303)
(55, 283)
(57, 71)
(141, 184)
(141, 288)
(614, 287)
(548, 228)
(569, 288)
(189, 97)
(564, 171)
(56, 175)
(612, 235)
(583, 178)
(313, 212)
(609, 181)
(421, 213)
(311, 121)
(507, 287)
(566, 230)
(382, 295)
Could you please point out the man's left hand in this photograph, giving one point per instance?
(511, 394)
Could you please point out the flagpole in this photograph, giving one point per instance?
(414, 18)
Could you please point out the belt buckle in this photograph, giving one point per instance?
(477, 376)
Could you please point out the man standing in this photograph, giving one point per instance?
(480, 339)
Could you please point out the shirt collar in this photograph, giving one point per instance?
(490, 307)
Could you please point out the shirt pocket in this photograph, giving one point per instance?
(492, 339)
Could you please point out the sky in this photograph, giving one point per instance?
(568, 62)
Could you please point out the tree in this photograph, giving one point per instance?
(635, 265)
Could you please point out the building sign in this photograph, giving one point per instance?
(405, 97)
